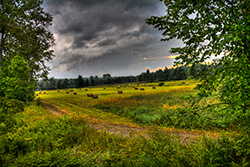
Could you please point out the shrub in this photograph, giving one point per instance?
(13, 106)
(38, 101)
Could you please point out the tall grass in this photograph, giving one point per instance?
(39, 138)
(171, 109)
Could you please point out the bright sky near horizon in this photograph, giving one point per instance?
(95, 37)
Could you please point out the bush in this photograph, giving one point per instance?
(13, 106)
(38, 101)
(8, 107)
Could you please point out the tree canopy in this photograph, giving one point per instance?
(216, 31)
(24, 31)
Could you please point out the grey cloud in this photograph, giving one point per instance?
(103, 34)
(85, 19)
(107, 42)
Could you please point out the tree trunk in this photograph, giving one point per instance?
(1, 49)
(1, 55)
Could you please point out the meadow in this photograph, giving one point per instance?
(150, 127)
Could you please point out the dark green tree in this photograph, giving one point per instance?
(212, 28)
(65, 83)
(107, 79)
(160, 75)
(59, 84)
(87, 82)
(24, 31)
(92, 80)
(80, 81)
(166, 74)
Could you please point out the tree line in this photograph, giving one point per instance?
(178, 73)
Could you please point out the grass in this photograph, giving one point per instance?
(40, 138)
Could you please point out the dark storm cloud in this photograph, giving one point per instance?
(103, 32)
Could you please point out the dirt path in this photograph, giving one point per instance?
(128, 131)
(53, 109)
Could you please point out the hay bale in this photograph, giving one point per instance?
(75, 93)
(86, 89)
(67, 92)
(153, 87)
(95, 96)
(89, 94)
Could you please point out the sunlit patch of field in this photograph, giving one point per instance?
(81, 104)
(132, 109)
(164, 106)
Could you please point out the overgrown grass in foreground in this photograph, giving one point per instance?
(38, 138)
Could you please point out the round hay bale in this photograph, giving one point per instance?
(95, 96)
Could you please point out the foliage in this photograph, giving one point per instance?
(25, 31)
(16, 81)
(210, 29)
(9, 107)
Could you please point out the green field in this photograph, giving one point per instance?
(150, 127)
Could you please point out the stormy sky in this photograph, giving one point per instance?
(95, 37)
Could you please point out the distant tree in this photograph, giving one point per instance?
(52, 83)
(166, 74)
(92, 81)
(80, 81)
(209, 28)
(59, 84)
(180, 73)
(87, 82)
(107, 79)
(147, 76)
(160, 75)
(97, 80)
(65, 83)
